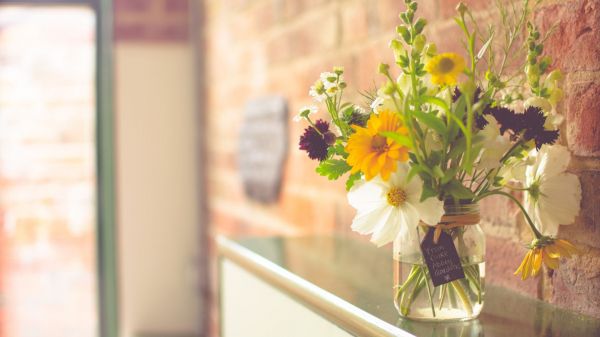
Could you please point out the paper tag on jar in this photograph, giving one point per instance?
(441, 258)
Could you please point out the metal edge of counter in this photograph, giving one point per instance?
(350, 318)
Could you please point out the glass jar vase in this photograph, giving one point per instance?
(415, 296)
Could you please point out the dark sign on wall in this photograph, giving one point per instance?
(263, 147)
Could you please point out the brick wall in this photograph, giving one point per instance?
(151, 20)
(258, 47)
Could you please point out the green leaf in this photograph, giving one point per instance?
(436, 101)
(333, 168)
(413, 157)
(414, 170)
(398, 138)
(458, 148)
(485, 46)
(437, 171)
(449, 175)
(435, 157)
(351, 180)
(431, 120)
(428, 192)
(458, 191)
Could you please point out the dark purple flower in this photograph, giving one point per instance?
(546, 137)
(457, 93)
(316, 143)
(508, 119)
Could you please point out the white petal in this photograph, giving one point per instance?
(413, 189)
(430, 211)
(411, 216)
(365, 196)
(398, 178)
(365, 222)
(387, 230)
(552, 160)
(561, 198)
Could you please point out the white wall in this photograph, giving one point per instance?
(157, 193)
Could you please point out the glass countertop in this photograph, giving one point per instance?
(360, 274)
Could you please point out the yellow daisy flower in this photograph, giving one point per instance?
(445, 68)
(372, 153)
(548, 251)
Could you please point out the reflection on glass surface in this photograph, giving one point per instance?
(359, 273)
(471, 328)
(47, 175)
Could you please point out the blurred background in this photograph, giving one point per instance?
(121, 155)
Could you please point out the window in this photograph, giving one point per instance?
(48, 277)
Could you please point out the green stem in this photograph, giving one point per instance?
(463, 297)
(428, 291)
(405, 305)
(509, 152)
(443, 295)
(414, 272)
(508, 195)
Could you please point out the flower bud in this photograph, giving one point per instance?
(419, 25)
(419, 42)
(431, 49)
(383, 68)
(338, 70)
(555, 75)
(403, 31)
(556, 95)
(461, 8)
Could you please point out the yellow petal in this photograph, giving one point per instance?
(568, 246)
(528, 266)
(549, 261)
(537, 261)
(521, 268)
(552, 251)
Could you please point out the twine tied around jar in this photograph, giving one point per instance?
(453, 221)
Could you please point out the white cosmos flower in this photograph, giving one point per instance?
(553, 196)
(494, 145)
(391, 209)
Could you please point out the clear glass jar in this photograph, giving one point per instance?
(415, 296)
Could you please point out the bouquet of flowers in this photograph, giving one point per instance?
(441, 133)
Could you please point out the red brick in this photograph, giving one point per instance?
(177, 6)
(576, 284)
(355, 25)
(586, 229)
(583, 119)
(575, 43)
(502, 258)
(132, 5)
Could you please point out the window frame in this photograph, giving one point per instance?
(106, 247)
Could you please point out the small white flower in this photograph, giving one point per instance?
(392, 209)
(305, 111)
(539, 102)
(553, 196)
(329, 79)
(314, 93)
(377, 102)
(494, 145)
(383, 103)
